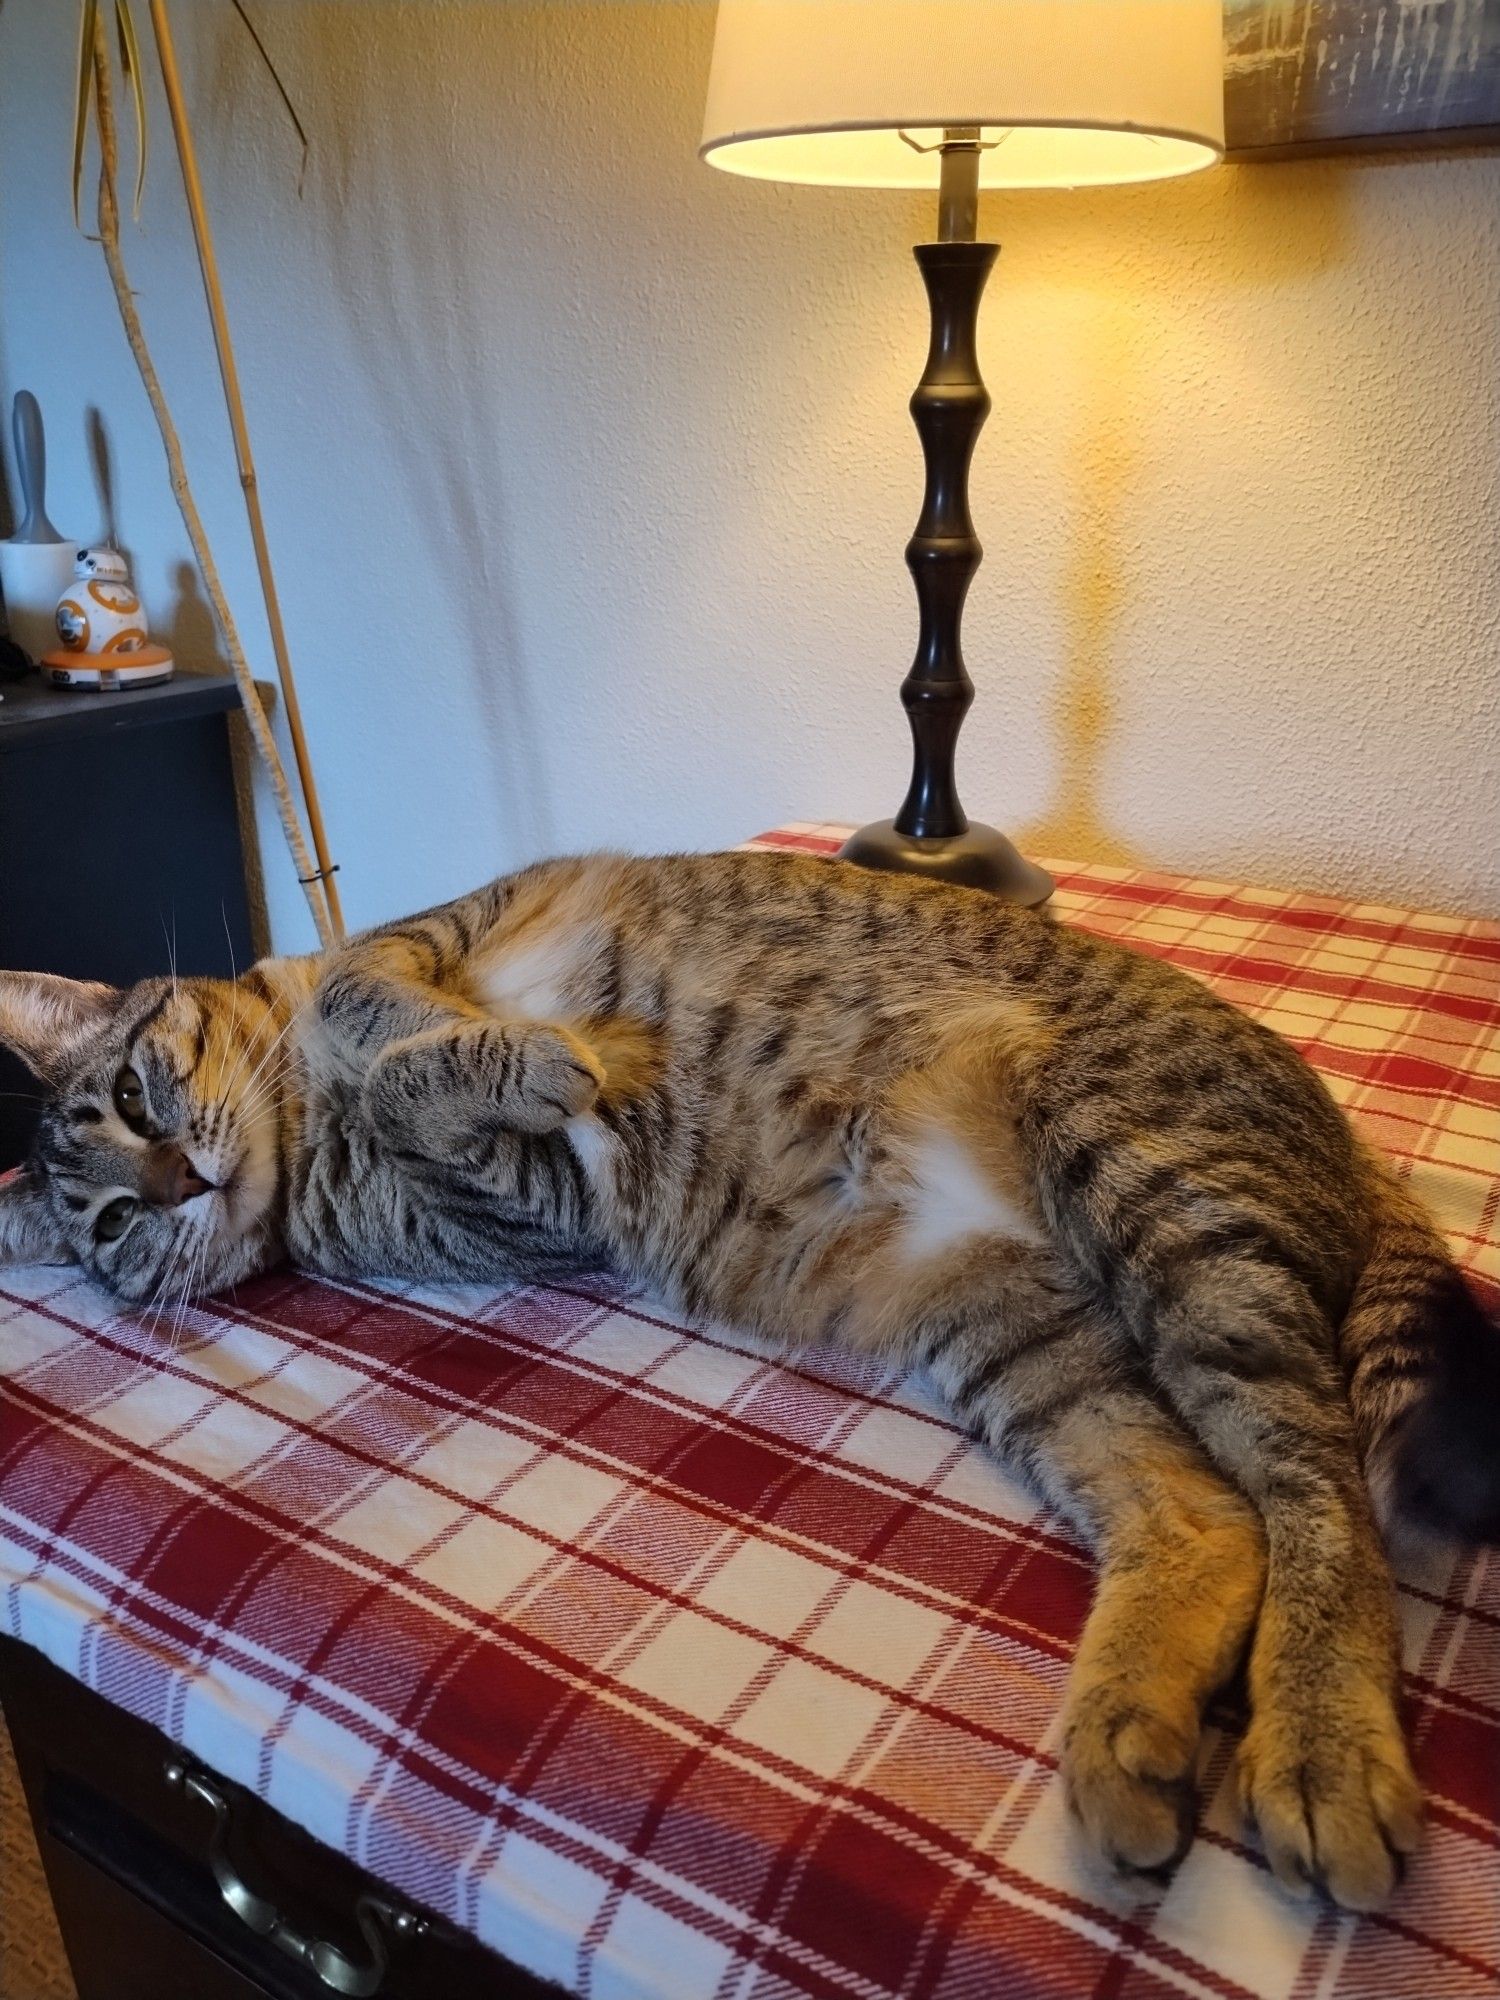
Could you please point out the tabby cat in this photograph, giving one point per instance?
(1123, 1227)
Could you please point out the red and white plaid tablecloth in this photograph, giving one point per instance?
(670, 1671)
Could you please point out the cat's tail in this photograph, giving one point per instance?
(1422, 1363)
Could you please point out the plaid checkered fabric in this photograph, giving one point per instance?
(669, 1671)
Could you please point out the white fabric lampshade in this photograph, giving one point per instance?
(1066, 93)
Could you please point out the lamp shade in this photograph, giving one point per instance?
(1066, 93)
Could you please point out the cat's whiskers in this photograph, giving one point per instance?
(268, 1092)
(196, 1266)
(171, 943)
(221, 1115)
(268, 1085)
(294, 1015)
(244, 1047)
(143, 1328)
(145, 1315)
(222, 1108)
(268, 1097)
(185, 1302)
(258, 1085)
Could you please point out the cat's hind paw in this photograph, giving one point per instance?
(1334, 1798)
(1129, 1777)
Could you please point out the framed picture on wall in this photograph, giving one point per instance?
(1312, 76)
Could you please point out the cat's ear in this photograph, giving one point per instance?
(44, 1018)
(28, 1234)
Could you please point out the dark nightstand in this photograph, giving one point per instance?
(119, 843)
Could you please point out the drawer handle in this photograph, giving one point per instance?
(376, 1917)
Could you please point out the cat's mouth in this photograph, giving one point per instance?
(228, 1188)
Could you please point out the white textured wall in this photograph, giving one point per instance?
(588, 469)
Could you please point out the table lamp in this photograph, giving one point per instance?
(957, 95)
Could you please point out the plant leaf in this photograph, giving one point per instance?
(281, 90)
(130, 65)
(87, 12)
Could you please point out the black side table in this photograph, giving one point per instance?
(119, 844)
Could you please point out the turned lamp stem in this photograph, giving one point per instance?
(949, 407)
(931, 834)
(958, 189)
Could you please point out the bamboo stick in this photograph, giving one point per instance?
(255, 716)
(208, 265)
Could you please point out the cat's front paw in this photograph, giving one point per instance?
(1329, 1785)
(542, 1076)
(415, 1099)
(441, 1093)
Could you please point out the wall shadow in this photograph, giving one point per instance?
(386, 249)
(192, 631)
(101, 466)
(1251, 228)
(1074, 825)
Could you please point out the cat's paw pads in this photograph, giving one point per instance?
(1129, 1778)
(543, 1077)
(1334, 1798)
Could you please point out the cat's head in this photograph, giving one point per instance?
(157, 1157)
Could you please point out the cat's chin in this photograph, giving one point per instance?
(208, 1274)
(245, 1242)
(251, 1257)
(246, 1194)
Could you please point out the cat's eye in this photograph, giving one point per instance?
(115, 1218)
(130, 1099)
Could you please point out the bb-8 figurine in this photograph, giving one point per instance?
(103, 630)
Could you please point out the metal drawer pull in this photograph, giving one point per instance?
(376, 1917)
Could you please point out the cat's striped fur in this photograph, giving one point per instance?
(1124, 1228)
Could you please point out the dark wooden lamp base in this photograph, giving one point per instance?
(932, 835)
(977, 858)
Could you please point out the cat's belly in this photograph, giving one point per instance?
(810, 1242)
(532, 979)
(946, 1194)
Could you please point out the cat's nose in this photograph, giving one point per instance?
(170, 1178)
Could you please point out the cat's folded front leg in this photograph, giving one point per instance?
(440, 1092)
(390, 985)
